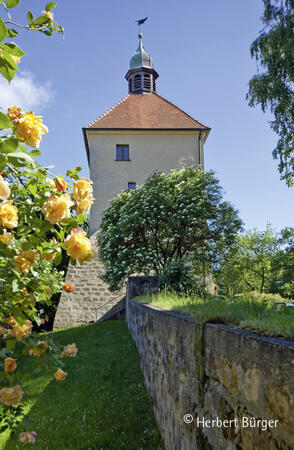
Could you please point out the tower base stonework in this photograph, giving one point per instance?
(91, 299)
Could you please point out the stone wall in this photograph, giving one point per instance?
(214, 372)
(91, 299)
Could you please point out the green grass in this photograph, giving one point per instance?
(253, 312)
(102, 404)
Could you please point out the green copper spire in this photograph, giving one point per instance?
(141, 58)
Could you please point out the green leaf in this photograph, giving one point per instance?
(38, 320)
(34, 285)
(58, 259)
(3, 162)
(5, 122)
(20, 159)
(35, 153)
(26, 245)
(73, 173)
(50, 6)
(81, 218)
(72, 261)
(6, 70)
(33, 188)
(6, 57)
(9, 145)
(30, 17)
(14, 285)
(3, 30)
(11, 32)
(12, 3)
(16, 274)
(14, 50)
(10, 344)
(41, 20)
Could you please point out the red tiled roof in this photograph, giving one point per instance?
(145, 111)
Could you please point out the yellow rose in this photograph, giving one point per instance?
(59, 375)
(83, 195)
(10, 364)
(27, 437)
(78, 246)
(5, 238)
(25, 260)
(14, 112)
(57, 208)
(84, 205)
(4, 189)
(11, 395)
(82, 189)
(11, 321)
(70, 350)
(29, 128)
(41, 348)
(8, 215)
(21, 331)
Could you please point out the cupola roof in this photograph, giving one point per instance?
(141, 58)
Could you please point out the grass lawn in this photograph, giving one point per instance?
(102, 404)
(251, 311)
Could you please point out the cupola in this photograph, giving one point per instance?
(141, 76)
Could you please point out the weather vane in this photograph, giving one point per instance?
(140, 22)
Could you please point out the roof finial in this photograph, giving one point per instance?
(140, 22)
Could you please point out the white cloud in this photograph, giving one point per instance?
(25, 92)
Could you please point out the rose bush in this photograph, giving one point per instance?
(40, 216)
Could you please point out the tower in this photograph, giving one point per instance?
(141, 133)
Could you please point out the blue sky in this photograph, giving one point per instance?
(201, 52)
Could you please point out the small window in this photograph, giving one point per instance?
(122, 153)
(131, 185)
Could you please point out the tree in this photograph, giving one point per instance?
(172, 216)
(273, 88)
(251, 263)
(283, 280)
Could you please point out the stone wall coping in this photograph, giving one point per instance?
(165, 311)
(230, 329)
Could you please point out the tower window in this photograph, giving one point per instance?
(137, 82)
(131, 185)
(147, 82)
(122, 153)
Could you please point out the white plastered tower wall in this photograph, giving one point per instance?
(151, 150)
